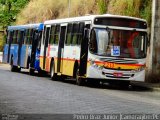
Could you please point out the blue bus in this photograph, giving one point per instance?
(22, 48)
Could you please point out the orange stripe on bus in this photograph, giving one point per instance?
(101, 62)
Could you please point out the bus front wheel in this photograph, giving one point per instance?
(79, 81)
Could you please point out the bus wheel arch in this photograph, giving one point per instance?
(13, 68)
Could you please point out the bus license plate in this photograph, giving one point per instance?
(117, 74)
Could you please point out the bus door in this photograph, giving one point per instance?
(61, 48)
(46, 39)
(20, 41)
(84, 52)
(10, 35)
(34, 48)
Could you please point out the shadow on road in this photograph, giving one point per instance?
(131, 87)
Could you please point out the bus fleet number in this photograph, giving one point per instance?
(109, 65)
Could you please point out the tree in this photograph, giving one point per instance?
(9, 10)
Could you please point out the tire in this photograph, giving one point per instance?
(79, 81)
(53, 75)
(41, 73)
(13, 68)
(18, 69)
(31, 70)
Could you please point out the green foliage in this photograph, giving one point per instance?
(146, 10)
(102, 6)
(9, 10)
(8, 13)
(2, 40)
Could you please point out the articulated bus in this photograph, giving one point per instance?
(22, 48)
(100, 47)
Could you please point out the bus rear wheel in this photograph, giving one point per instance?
(13, 68)
(53, 75)
(31, 70)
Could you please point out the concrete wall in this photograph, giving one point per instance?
(156, 39)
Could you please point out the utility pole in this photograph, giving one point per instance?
(150, 65)
(154, 55)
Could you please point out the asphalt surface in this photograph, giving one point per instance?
(22, 93)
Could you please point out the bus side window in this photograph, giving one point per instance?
(44, 35)
(8, 36)
(87, 26)
(75, 33)
(28, 36)
(39, 39)
(68, 36)
(25, 33)
(23, 37)
(14, 37)
(51, 41)
(56, 35)
(93, 42)
(80, 33)
(18, 36)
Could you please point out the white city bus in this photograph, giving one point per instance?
(106, 47)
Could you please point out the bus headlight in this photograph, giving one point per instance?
(139, 69)
(97, 66)
(100, 67)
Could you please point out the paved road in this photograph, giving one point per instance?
(21, 93)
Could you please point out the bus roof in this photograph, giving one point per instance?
(89, 18)
(38, 26)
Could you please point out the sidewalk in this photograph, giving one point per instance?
(152, 86)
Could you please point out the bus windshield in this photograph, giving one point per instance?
(118, 43)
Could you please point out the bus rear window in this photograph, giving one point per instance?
(120, 22)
